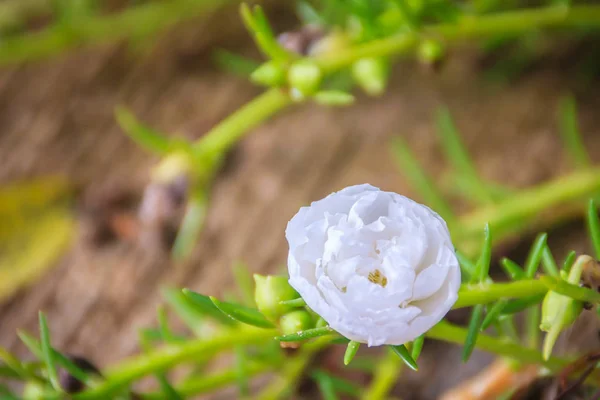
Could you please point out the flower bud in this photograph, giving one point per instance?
(305, 78)
(33, 391)
(68, 382)
(333, 98)
(371, 75)
(558, 311)
(269, 74)
(334, 41)
(551, 311)
(295, 321)
(269, 292)
(430, 52)
(172, 167)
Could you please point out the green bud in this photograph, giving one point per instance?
(558, 311)
(430, 51)
(295, 321)
(334, 41)
(333, 98)
(371, 74)
(269, 74)
(269, 292)
(304, 78)
(553, 313)
(172, 167)
(33, 391)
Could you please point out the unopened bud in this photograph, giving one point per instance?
(172, 167)
(304, 78)
(295, 321)
(269, 74)
(334, 41)
(270, 291)
(371, 75)
(333, 98)
(33, 391)
(558, 311)
(430, 52)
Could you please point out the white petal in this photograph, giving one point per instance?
(377, 266)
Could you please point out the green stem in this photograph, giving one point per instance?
(517, 211)
(454, 334)
(210, 383)
(134, 22)
(171, 355)
(226, 133)
(505, 23)
(385, 377)
(293, 370)
(483, 293)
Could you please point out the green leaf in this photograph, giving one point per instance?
(307, 14)
(142, 135)
(549, 263)
(594, 227)
(299, 302)
(163, 325)
(483, 264)
(569, 132)
(325, 385)
(351, 351)
(512, 269)
(205, 306)
(535, 255)
(307, 334)
(168, 391)
(48, 354)
(418, 178)
(467, 266)
(6, 394)
(518, 305)
(8, 373)
(31, 343)
(344, 386)
(473, 332)
(245, 283)
(493, 313)
(13, 364)
(417, 346)
(184, 308)
(71, 367)
(234, 63)
(243, 314)
(459, 157)
(573, 291)
(191, 225)
(340, 340)
(257, 24)
(403, 353)
(569, 261)
(241, 371)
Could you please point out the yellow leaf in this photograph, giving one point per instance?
(36, 226)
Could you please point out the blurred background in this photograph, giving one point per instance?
(71, 181)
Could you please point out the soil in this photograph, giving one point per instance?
(57, 117)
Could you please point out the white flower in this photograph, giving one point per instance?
(377, 266)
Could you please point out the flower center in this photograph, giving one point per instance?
(377, 278)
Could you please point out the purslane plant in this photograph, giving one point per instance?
(255, 328)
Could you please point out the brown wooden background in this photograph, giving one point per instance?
(56, 116)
